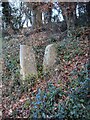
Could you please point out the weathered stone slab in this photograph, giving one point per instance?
(27, 61)
(49, 57)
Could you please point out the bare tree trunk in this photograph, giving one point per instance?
(37, 18)
(34, 19)
(68, 11)
(49, 13)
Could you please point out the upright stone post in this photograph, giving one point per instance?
(27, 61)
(49, 57)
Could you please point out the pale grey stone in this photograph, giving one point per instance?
(49, 57)
(27, 61)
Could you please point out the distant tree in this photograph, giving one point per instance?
(49, 12)
(88, 12)
(12, 15)
(38, 8)
(36, 13)
(81, 8)
(69, 13)
(7, 17)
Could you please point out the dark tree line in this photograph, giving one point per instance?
(32, 13)
(7, 17)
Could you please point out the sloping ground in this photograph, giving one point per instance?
(71, 60)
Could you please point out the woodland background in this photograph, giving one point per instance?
(63, 92)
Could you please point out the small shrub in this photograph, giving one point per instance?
(27, 104)
(53, 40)
(31, 79)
